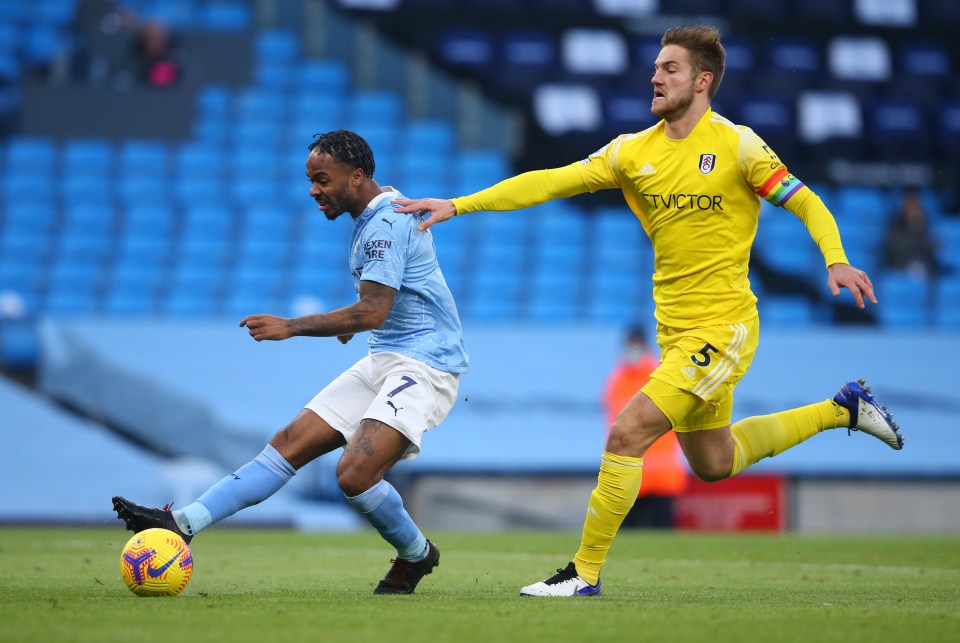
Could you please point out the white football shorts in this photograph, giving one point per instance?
(399, 391)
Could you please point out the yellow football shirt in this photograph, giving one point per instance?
(697, 199)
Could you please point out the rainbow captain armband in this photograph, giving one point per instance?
(780, 187)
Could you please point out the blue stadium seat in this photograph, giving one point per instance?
(79, 244)
(466, 48)
(70, 300)
(24, 216)
(42, 43)
(374, 106)
(267, 253)
(89, 218)
(327, 76)
(924, 65)
(862, 204)
(153, 250)
(192, 191)
(225, 16)
(152, 220)
(757, 10)
(948, 129)
(241, 303)
(214, 102)
(143, 187)
(130, 302)
(786, 312)
(523, 59)
(26, 247)
(88, 156)
(200, 250)
(131, 272)
(627, 111)
(948, 303)
(208, 221)
(898, 127)
(143, 156)
(314, 106)
(773, 119)
(784, 243)
(255, 191)
(31, 153)
(188, 303)
(259, 104)
(67, 273)
(905, 301)
(429, 137)
(88, 186)
(277, 45)
(274, 76)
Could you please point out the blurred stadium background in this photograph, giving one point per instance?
(145, 209)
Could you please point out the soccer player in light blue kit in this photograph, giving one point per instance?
(379, 409)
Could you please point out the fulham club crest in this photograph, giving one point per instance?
(707, 161)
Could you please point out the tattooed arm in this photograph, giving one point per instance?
(368, 313)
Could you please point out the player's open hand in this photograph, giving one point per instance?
(842, 275)
(438, 209)
(263, 327)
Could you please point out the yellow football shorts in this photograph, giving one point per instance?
(699, 368)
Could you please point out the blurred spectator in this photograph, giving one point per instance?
(157, 59)
(104, 31)
(664, 471)
(909, 245)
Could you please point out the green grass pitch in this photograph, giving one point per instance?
(63, 584)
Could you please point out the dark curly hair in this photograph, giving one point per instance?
(346, 147)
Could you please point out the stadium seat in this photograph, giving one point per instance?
(143, 157)
(30, 153)
(86, 157)
(524, 59)
(201, 250)
(923, 67)
(130, 302)
(626, 111)
(772, 118)
(786, 312)
(70, 300)
(225, 16)
(79, 245)
(905, 301)
(898, 128)
(948, 129)
(947, 314)
(189, 303)
(371, 107)
(327, 76)
(30, 217)
(277, 45)
(466, 48)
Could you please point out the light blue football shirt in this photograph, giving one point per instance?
(423, 323)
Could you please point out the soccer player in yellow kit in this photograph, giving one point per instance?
(693, 180)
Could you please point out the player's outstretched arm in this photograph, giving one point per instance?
(370, 312)
(438, 209)
(842, 275)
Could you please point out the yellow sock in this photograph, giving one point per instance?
(617, 487)
(764, 436)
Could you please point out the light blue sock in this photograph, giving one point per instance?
(251, 484)
(383, 508)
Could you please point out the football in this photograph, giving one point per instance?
(156, 562)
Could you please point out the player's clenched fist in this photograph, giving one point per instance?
(263, 327)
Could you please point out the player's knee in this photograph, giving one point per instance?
(711, 471)
(353, 480)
